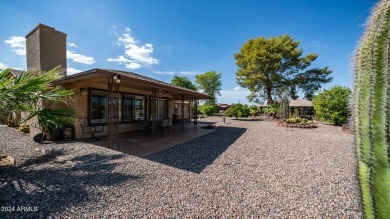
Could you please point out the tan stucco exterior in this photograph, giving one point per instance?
(80, 105)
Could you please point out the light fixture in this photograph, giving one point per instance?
(117, 78)
(83, 91)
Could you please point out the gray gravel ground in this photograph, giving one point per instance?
(244, 169)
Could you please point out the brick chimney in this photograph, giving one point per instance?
(46, 49)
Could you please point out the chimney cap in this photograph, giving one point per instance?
(40, 25)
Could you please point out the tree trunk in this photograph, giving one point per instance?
(269, 97)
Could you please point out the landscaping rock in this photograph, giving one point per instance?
(243, 169)
(7, 161)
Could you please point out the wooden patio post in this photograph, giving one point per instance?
(154, 111)
(182, 113)
(196, 111)
(113, 112)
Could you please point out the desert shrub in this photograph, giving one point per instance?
(216, 109)
(238, 110)
(332, 105)
(272, 109)
(254, 110)
(298, 120)
(207, 110)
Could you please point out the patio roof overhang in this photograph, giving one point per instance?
(133, 80)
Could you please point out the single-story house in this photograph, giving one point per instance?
(304, 107)
(105, 97)
(223, 107)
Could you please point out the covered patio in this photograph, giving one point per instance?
(117, 100)
(141, 144)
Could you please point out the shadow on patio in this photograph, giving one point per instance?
(196, 154)
(142, 144)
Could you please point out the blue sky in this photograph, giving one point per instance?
(162, 38)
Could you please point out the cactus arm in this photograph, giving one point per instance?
(372, 113)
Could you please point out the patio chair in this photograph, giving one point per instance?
(142, 124)
(164, 124)
(92, 130)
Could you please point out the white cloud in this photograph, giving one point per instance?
(177, 72)
(135, 55)
(19, 43)
(3, 66)
(72, 45)
(79, 58)
(16, 42)
(21, 52)
(6, 66)
(133, 65)
(238, 88)
(71, 71)
(315, 44)
(127, 62)
(164, 72)
(189, 72)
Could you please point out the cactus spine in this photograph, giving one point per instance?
(372, 112)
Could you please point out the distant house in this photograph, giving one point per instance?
(223, 107)
(105, 97)
(304, 107)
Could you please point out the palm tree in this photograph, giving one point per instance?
(32, 93)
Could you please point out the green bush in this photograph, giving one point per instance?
(254, 110)
(272, 109)
(332, 105)
(207, 110)
(238, 110)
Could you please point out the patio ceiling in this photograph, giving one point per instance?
(133, 80)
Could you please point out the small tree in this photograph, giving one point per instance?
(210, 83)
(266, 65)
(253, 110)
(207, 110)
(332, 105)
(238, 110)
(183, 81)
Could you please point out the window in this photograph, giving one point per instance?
(131, 107)
(139, 107)
(161, 109)
(99, 107)
(128, 108)
(176, 108)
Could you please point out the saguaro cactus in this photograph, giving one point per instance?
(372, 112)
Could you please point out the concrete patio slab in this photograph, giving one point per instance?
(142, 144)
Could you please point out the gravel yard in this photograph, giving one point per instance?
(244, 169)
